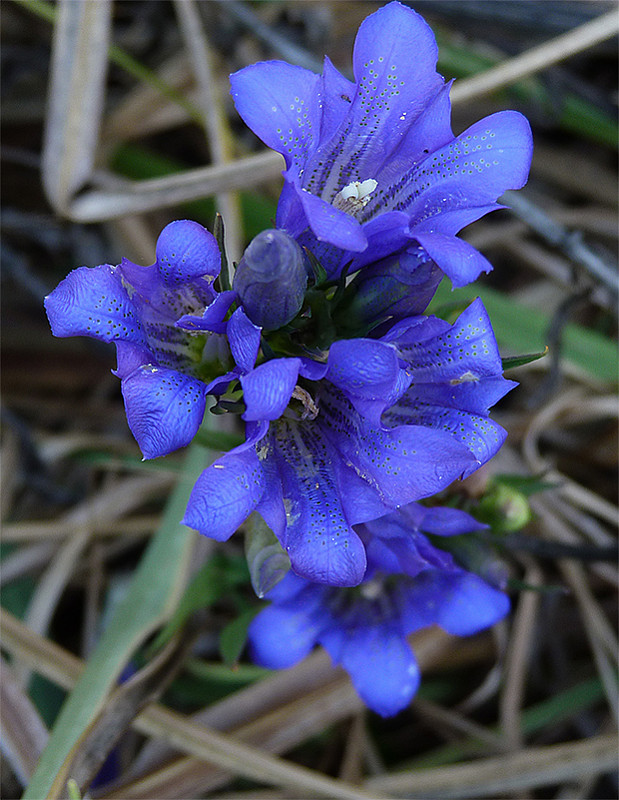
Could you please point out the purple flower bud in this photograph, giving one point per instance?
(271, 279)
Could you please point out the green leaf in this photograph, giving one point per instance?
(511, 362)
(233, 636)
(152, 596)
(73, 790)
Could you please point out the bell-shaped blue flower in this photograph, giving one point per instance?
(164, 369)
(372, 166)
(380, 423)
(271, 279)
(410, 584)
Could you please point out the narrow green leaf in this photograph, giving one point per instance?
(152, 596)
(511, 362)
(233, 637)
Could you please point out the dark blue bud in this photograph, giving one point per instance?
(397, 287)
(271, 279)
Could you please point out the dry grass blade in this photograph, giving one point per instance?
(538, 58)
(517, 658)
(578, 495)
(53, 531)
(110, 504)
(25, 560)
(297, 717)
(156, 193)
(527, 769)
(215, 121)
(250, 762)
(227, 753)
(22, 732)
(97, 740)
(78, 70)
(445, 718)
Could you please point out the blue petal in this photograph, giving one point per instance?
(278, 102)
(213, 316)
(164, 408)
(392, 91)
(465, 353)
(186, 251)
(403, 464)
(400, 286)
(93, 302)
(414, 330)
(360, 500)
(459, 260)
(461, 603)
(336, 93)
(479, 435)
(332, 225)
(280, 636)
(380, 663)
(386, 233)
(443, 521)
(268, 388)
(449, 215)
(130, 357)
(477, 167)
(244, 340)
(319, 540)
(225, 494)
(474, 395)
(431, 131)
(412, 552)
(368, 373)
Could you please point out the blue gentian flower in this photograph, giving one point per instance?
(165, 370)
(379, 423)
(372, 166)
(410, 584)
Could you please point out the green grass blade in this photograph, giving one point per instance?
(151, 598)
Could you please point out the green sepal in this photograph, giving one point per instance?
(267, 562)
(320, 273)
(218, 233)
(511, 362)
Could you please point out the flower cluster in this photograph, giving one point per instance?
(356, 403)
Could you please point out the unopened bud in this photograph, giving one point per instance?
(504, 508)
(271, 279)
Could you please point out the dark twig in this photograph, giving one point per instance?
(278, 43)
(570, 243)
(559, 550)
